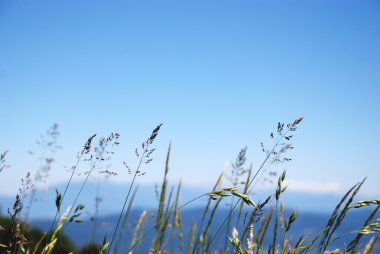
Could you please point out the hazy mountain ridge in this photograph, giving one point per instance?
(113, 195)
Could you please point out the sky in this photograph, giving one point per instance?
(219, 75)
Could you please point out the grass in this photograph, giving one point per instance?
(249, 226)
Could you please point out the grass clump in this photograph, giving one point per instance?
(249, 226)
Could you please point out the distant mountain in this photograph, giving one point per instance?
(112, 196)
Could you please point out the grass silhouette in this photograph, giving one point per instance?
(264, 222)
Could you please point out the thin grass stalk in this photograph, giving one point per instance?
(250, 244)
(171, 213)
(176, 223)
(161, 204)
(126, 215)
(252, 217)
(55, 236)
(287, 226)
(161, 229)
(95, 218)
(191, 238)
(85, 149)
(343, 214)
(250, 223)
(209, 222)
(208, 245)
(229, 223)
(237, 172)
(275, 226)
(216, 185)
(369, 247)
(282, 226)
(180, 234)
(172, 241)
(279, 190)
(352, 245)
(262, 230)
(333, 217)
(294, 249)
(245, 191)
(37, 246)
(87, 177)
(311, 244)
(137, 227)
(146, 152)
(125, 201)
(282, 216)
(254, 177)
(141, 233)
(283, 244)
(225, 220)
(267, 157)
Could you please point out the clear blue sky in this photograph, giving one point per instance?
(218, 74)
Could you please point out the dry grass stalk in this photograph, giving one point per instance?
(177, 222)
(86, 150)
(245, 192)
(139, 222)
(48, 249)
(125, 219)
(369, 247)
(158, 238)
(263, 229)
(325, 241)
(191, 241)
(255, 217)
(237, 172)
(235, 241)
(353, 244)
(145, 157)
(217, 184)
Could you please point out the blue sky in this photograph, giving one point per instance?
(218, 74)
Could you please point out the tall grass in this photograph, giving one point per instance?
(255, 227)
